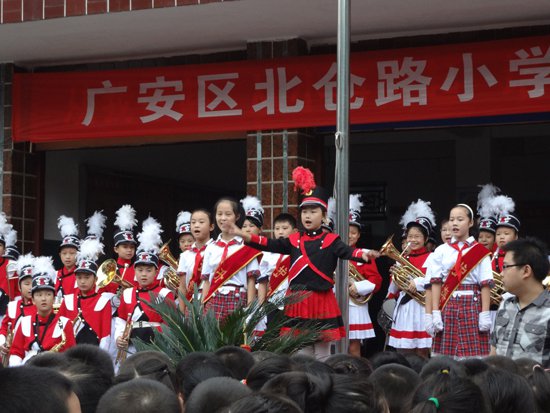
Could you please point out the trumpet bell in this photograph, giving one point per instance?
(166, 256)
(106, 273)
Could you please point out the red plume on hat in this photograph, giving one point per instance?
(303, 179)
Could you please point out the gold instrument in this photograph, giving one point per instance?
(78, 319)
(122, 353)
(108, 272)
(354, 276)
(59, 346)
(171, 277)
(9, 340)
(403, 273)
(498, 288)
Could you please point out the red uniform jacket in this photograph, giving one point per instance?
(16, 309)
(10, 291)
(94, 325)
(65, 281)
(35, 334)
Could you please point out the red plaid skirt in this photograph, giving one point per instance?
(222, 305)
(319, 306)
(461, 336)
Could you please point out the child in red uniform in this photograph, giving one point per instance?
(21, 306)
(183, 228)
(65, 282)
(8, 283)
(230, 269)
(360, 325)
(125, 245)
(133, 301)
(190, 263)
(44, 330)
(314, 255)
(90, 311)
(408, 334)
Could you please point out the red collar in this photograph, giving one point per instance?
(149, 287)
(420, 251)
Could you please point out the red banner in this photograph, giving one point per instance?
(437, 82)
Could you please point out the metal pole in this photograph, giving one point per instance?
(341, 180)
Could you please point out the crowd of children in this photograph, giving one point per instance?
(450, 299)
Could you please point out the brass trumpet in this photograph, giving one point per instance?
(354, 276)
(171, 277)
(9, 340)
(108, 272)
(403, 273)
(59, 346)
(498, 288)
(123, 353)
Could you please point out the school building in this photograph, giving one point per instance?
(169, 104)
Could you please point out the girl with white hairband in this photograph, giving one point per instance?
(461, 280)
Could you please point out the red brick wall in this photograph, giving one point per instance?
(21, 177)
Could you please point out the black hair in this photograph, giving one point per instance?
(311, 365)
(328, 393)
(449, 393)
(195, 368)
(416, 361)
(238, 360)
(525, 366)
(214, 394)
(153, 365)
(506, 392)
(539, 380)
(422, 229)
(263, 402)
(285, 217)
(530, 251)
(235, 206)
(387, 357)
(262, 355)
(266, 369)
(351, 365)
(439, 364)
(139, 396)
(47, 359)
(91, 371)
(503, 363)
(34, 389)
(204, 211)
(474, 366)
(397, 383)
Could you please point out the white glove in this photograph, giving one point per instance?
(429, 324)
(438, 322)
(485, 321)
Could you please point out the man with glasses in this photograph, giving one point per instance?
(522, 325)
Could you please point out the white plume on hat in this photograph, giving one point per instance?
(24, 261)
(183, 218)
(67, 226)
(486, 193)
(251, 202)
(126, 218)
(331, 208)
(415, 210)
(355, 203)
(149, 237)
(11, 237)
(4, 226)
(44, 265)
(501, 205)
(90, 249)
(96, 224)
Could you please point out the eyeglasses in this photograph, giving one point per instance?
(512, 265)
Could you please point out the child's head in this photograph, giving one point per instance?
(397, 383)
(68, 256)
(461, 219)
(85, 281)
(354, 233)
(312, 217)
(201, 225)
(249, 227)
(504, 235)
(125, 250)
(284, 225)
(486, 238)
(416, 236)
(145, 274)
(227, 212)
(42, 294)
(185, 241)
(2, 246)
(445, 232)
(25, 286)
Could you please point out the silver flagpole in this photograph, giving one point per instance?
(341, 180)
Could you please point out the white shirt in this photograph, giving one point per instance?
(267, 266)
(212, 258)
(187, 261)
(443, 260)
